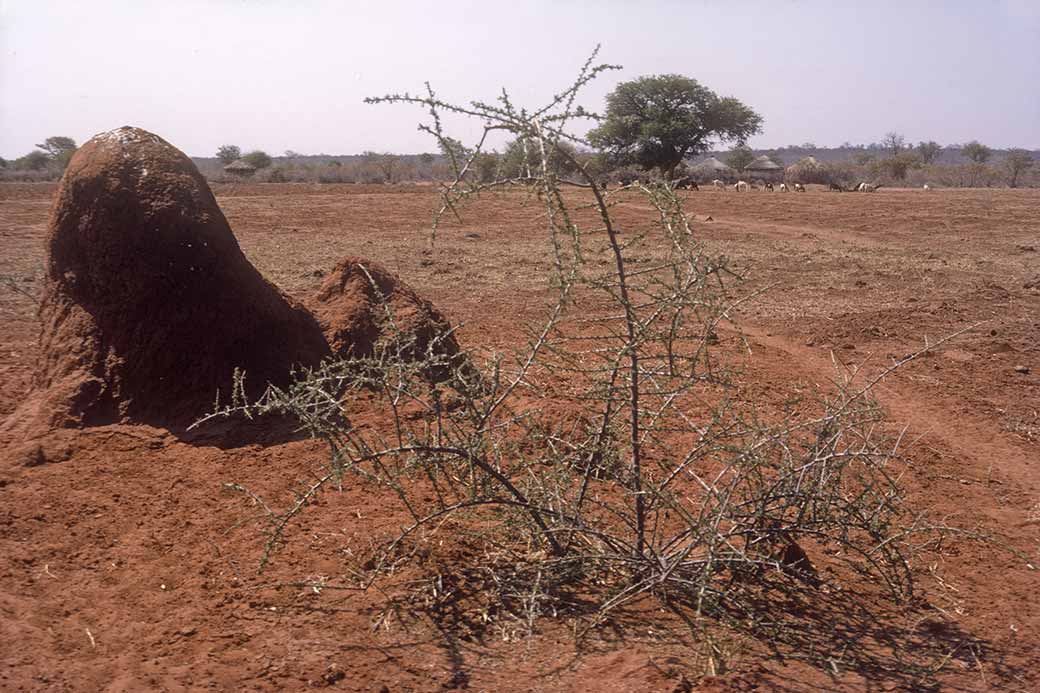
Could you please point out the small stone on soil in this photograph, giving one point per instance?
(1022, 369)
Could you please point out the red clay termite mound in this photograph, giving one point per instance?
(149, 304)
(364, 308)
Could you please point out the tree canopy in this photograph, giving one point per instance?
(739, 157)
(977, 152)
(228, 153)
(898, 165)
(1017, 162)
(657, 121)
(58, 149)
(523, 158)
(893, 142)
(257, 159)
(33, 161)
(929, 151)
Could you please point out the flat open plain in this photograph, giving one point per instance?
(117, 571)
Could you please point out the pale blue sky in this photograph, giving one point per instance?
(291, 74)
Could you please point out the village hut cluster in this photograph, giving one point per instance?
(760, 171)
(763, 172)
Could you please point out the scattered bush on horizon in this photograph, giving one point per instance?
(898, 165)
(979, 155)
(1015, 164)
(928, 152)
(33, 161)
(522, 158)
(258, 159)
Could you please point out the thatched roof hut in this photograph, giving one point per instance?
(765, 168)
(804, 171)
(712, 168)
(240, 168)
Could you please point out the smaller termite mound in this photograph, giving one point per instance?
(366, 312)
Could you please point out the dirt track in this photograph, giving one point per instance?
(116, 572)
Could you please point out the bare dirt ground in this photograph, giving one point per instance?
(120, 568)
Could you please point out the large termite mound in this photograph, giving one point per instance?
(366, 311)
(149, 304)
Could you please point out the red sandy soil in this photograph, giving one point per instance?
(118, 570)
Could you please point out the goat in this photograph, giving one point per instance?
(686, 184)
(783, 187)
(741, 186)
(835, 187)
(927, 187)
(718, 183)
(868, 187)
(769, 187)
(798, 187)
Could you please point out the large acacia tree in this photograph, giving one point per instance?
(59, 150)
(657, 121)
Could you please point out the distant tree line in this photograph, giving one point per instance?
(896, 161)
(654, 126)
(47, 161)
(892, 161)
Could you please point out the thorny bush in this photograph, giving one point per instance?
(605, 457)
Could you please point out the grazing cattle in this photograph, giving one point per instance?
(741, 186)
(835, 187)
(783, 187)
(798, 187)
(718, 183)
(686, 184)
(927, 187)
(769, 187)
(868, 187)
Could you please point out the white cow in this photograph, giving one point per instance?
(742, 186)
(783, 187)
(718, 183)
(798, 187)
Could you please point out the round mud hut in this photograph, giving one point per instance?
(764, 168)
(807, 170)
(240, 169)
(711, 169)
